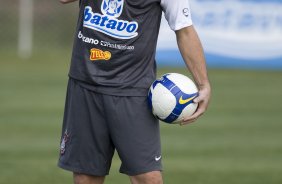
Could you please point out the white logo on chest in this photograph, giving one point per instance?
(108, 22)
(112, 7)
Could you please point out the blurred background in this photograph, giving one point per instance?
(237, 141)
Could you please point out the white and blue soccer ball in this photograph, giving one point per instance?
(171, 97)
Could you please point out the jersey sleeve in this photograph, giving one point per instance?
(177, 13)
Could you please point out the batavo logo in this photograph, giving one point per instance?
(97, 54)
(108, 22)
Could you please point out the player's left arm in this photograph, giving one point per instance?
(192, 52)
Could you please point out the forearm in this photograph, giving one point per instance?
(192, 52)
(66, 1)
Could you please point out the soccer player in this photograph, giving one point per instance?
(112, 67)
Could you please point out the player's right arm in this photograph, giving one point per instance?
(67, 1)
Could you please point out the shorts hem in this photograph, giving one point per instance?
(81, 171)
(143, 171)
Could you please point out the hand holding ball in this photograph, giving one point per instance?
(171, 97)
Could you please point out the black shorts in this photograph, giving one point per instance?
(96, 124)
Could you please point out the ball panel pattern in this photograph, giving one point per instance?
(163, 101)
(169, 101)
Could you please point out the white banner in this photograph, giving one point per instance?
(239, 29)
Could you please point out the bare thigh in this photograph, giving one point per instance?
(154, 177)
(87, 179)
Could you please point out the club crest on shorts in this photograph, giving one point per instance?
(65, 139)
(112, 7)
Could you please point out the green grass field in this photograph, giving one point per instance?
(238, 141)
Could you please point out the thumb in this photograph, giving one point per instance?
(199, 98)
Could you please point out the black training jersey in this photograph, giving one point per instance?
(115, 43)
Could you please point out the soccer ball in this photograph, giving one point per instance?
(171, 97)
